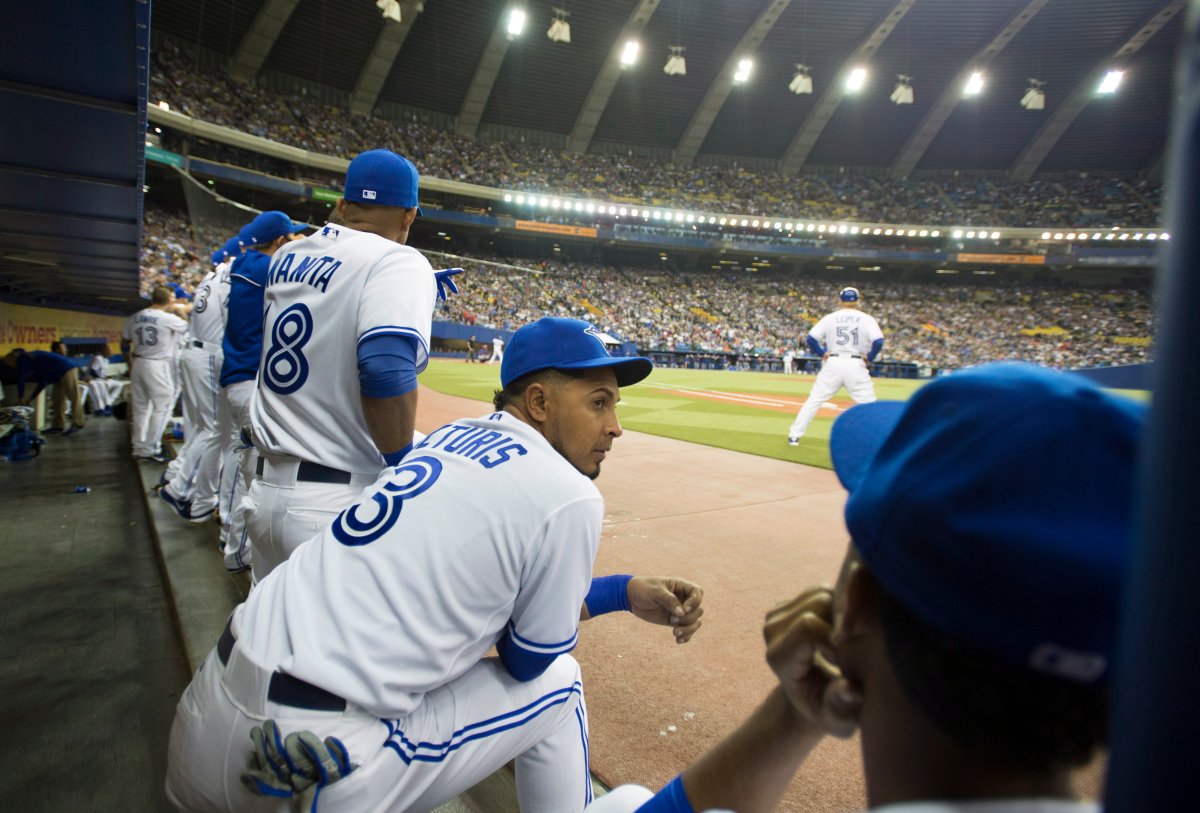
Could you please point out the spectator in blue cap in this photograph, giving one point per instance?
(971, 633)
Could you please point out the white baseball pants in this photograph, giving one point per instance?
(461, 733)
(282, 514)
(152, 393)
(237, 472)
(193, 474)
(836, 372)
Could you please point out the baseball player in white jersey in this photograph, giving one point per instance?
(847, 340)
(242, 347)
(192, 486)
(104, 391)
(153, 334)
(348, 316)
(497, 350)
(375, 631)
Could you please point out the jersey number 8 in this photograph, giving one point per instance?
(285, 369)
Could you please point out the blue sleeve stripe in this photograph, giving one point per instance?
(671, 799)
(547, 649)
(398, 329)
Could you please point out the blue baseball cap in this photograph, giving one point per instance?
(558, 343)
(231, 248)
(996, 504)
(269, 227)
(849, 295)
(382, 178)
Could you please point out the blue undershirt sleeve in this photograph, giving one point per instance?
(387, 365)
(671, 799)
(521, 663)
(814, 345)
(876, 346)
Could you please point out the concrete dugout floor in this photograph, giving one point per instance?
(90, 665)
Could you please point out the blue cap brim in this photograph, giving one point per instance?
(629, 371)
(299, 227)
(858, 435)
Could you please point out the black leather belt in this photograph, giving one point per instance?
(846, 355)
(197, 343)
(285, 689)
(313, 473)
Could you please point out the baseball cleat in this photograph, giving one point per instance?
(199, 518)
(793, 440)
(182, 507)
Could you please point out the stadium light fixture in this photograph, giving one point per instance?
(1110, 82)
(856, 80)
(957, 234)
(722, 221)
(923, 233)
(164, 106)
(887, 232)
(1071, 235)
(555, 203)
(1151, 236)
(935, 233)
(1123, 237)
(745, 223)
(789, 226)
(676, 64)
(754, 224)
(1138, 236)
(560, 29)
(995, 235)
(516, 22)
(744, 68)
(390, 9)
(1058, 235)
(1035, 97)
(629, 53)
(508, 198)
(1045, 235)
(854, 229)
(974, 84)
(621, 211)
(1095, 235)
(591, 207)
(520, 198)
(802, 82)
(970, 235)
(1164, 236)
(903, 94)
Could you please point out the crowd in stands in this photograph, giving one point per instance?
(169, 253)
(766, 313)
(964, 200)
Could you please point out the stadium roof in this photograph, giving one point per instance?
(452, 57)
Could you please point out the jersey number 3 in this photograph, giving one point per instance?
(285, 369)
(366, 521)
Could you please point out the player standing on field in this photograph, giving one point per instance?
(242, 348)
(847, 340)
(151, 337)
(348, 316)
(376, 630)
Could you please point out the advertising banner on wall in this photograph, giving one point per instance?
(33, 328)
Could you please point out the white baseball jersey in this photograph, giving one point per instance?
(847, 330)
(483, 530)
(326, 294)
(209, 306)
(155, 334)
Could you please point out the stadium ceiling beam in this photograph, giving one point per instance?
(702, 120)
(606, 80)
(1065, 114)
(797, 152)
(383, 55)
(910, 155)
(260, 38)
(476, 98)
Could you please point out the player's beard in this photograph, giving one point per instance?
(558, 447)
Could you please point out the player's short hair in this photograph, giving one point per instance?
(161, 295)
(985, 703)
(516, 389)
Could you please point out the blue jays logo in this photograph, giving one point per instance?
(594, 332)
(366, 521)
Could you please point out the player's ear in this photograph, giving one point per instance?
(535, 401)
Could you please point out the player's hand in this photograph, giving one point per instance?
(297, 767)
(445, 282)
(801, 654)
(670, 602)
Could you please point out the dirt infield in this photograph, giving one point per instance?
(753, 532)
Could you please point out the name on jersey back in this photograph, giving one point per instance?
(486, 447)
(314, 271)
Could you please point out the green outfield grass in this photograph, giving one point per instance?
(700, 406)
